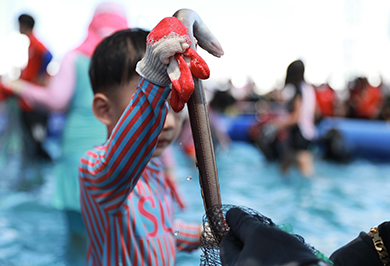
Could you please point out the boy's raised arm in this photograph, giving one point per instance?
(110, 172)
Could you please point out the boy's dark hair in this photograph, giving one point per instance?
(114, 59)
(27, 20)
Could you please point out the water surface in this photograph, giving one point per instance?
(328, 210)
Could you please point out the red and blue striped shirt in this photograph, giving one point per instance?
(126, 203)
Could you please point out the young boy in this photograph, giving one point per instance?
(126, 203)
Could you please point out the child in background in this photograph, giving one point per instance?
(39, 56)
(34, 122)
(70, 91)
(126, 203)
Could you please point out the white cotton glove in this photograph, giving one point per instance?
(167, 50)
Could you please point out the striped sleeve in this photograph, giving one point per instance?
(187, 235)
(110, 172)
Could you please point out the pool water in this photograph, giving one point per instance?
(328, 210)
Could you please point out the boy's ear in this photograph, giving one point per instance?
(101, 108)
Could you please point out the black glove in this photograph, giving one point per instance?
(361, 250)
(249, 242)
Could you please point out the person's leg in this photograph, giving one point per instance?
(288, 149)
(30, 175)
(34, 157)
(36, 126)
(29, 144)
(286, 161)
(303, 157)
(305, 163)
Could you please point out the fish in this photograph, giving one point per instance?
(198, 114)
(198, 29)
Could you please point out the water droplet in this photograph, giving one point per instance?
(189, 178)
(180, 143)
(176, 232)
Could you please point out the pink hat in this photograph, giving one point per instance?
(107, 19)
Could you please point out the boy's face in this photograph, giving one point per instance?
(171, 130)
(172, 125)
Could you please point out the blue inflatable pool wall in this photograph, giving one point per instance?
(368, 139)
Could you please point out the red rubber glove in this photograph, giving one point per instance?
(169, 59)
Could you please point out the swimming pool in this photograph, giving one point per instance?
(328, 210)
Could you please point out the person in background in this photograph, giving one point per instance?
(33, 122)
(365, 101)
(327, 100)
(250, 242)
(126, 202)
(38, 55)
(70, 91)
(300, 101)
(219, 131)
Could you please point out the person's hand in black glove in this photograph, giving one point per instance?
(361, 250)
(250, 242)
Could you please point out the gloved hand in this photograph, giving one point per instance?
(361, 250)
(169, 59)
(249, 242)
